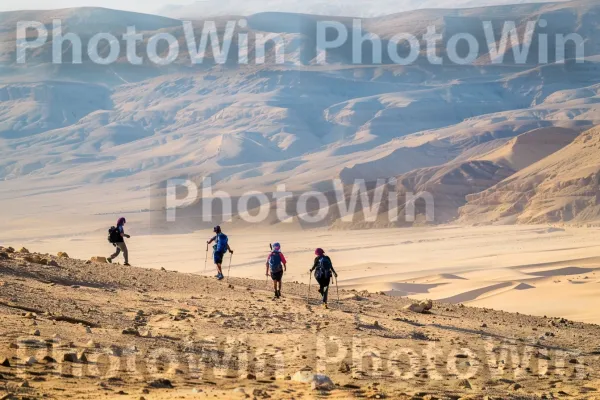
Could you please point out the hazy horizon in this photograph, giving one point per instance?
(211, 8)
(148, 6)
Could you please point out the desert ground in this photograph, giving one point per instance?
(537, 270)
(85, 330)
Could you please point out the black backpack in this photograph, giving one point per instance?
(323, 270)
(114, 235)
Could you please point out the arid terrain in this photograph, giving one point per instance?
(75, 329)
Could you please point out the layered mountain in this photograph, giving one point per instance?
(561, 188)
(125, 129)
(435, 194)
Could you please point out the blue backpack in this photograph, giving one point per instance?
(323, 271)
(222, 240)
(275, 264)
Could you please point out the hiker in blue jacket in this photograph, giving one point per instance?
(220, 247)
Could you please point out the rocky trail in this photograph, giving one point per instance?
(84, 330)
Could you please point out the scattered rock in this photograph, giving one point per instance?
(62, 254)
(30, 315)
(484, 325)
(23, 250)
(31, 361)
(322, 382)
(70, 357)
(344, 368)
(116, 350)
(35, 333)
(99, 260)
(24, 384)
(49, 359)
(82, 356)
(9, 250)
(5, 362)
(161, 384)
(4, 255)
(515, 386)
(318, 382)
(130, 331)
(465, 384)
(53, 263)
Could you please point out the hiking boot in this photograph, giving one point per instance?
(127, 265)
(109, 260)
(220, 277)
(279, 293)
(325, 306)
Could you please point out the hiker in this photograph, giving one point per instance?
(117, 235)
(220, 247)
(323, 270)
(276, 266)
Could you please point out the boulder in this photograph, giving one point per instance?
(420, 307)
(99, 260)
(9, 250)
(4, 255)
(70, 357)
(62, 254)
(317, 381)
(5, 362)
(53, 263)
(427, 304)
(33, 259)
(23, 250)
(161, 384)
(415, 307)
(130, 331)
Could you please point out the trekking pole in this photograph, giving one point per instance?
(338, 291)
(206, 258)
(229, 269)
(308, 294)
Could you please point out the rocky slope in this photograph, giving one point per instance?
(91, 330)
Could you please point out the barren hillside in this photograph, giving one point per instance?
(80, 329)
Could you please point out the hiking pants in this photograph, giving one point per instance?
(121, 247)
(324, 289)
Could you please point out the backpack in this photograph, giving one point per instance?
(114, 235)
(221, 246)
(323, 270)
(275, 263)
